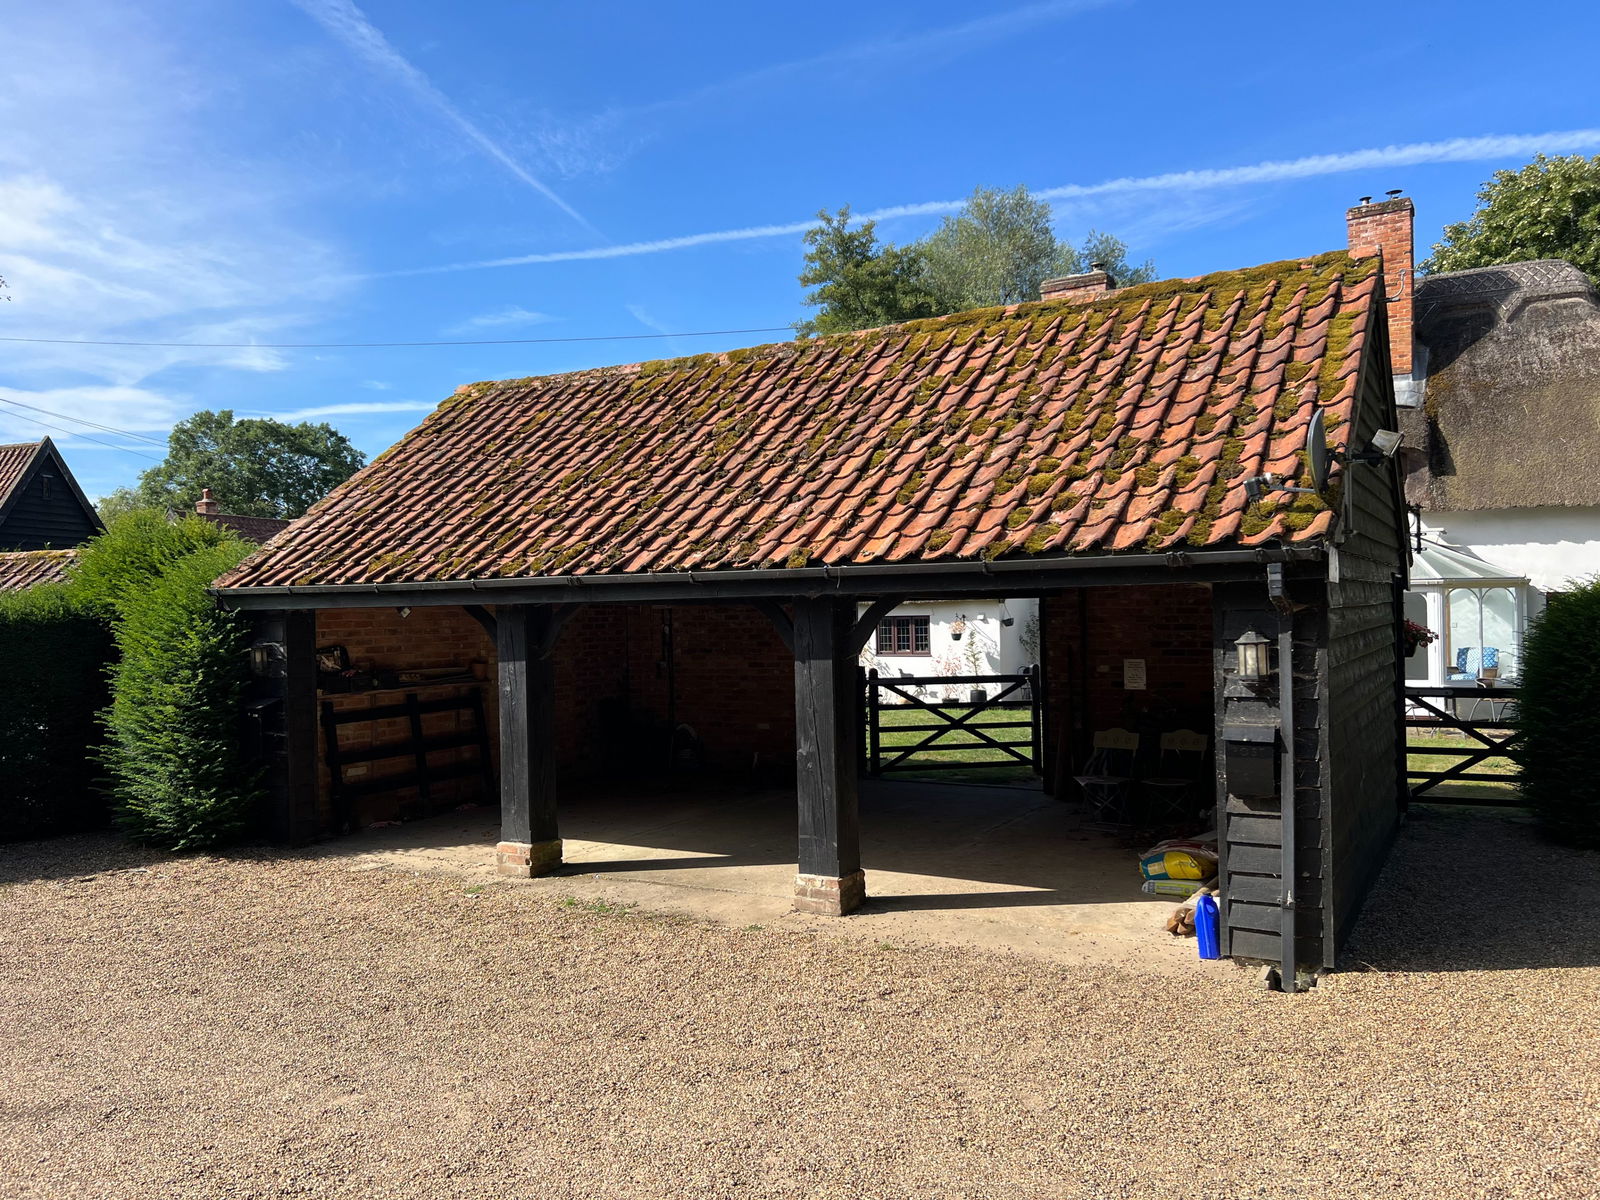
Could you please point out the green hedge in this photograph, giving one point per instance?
(53, 652)
(177, 769)
(1558, 730)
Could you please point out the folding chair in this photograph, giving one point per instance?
(1108, 775)
(1171, 794)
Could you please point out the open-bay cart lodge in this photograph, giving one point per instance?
(709, 542)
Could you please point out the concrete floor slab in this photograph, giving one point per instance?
(998, 868)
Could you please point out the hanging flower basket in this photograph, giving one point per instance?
(1417, 636)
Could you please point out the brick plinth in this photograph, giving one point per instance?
(829, 895)
(523, 860)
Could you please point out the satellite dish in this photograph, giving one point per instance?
(1317, 450)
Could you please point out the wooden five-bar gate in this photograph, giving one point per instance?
(1484, 714)
(1017, 739)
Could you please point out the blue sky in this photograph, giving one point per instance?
(323, 171)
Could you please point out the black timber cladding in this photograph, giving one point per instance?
(44, 508)
(1363, 740)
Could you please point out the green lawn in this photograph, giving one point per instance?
(1485, 792)
(959, 746)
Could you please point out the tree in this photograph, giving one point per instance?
(859, 284)
(257, 467)
(1111, 252)
(1548, 209)
(115, 505)
(997, 250)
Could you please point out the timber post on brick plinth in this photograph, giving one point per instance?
(830, 879)
(530, 842)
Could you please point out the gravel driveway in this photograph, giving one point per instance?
(272, 1026)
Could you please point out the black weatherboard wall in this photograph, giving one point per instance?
(44, 508)
(1346, 714)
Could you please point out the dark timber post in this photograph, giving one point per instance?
(301, 821)
(530, 843)
(830, 880)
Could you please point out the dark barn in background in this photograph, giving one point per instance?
(742, 520)
(41, 505)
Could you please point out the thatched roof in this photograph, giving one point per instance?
(1511, 415)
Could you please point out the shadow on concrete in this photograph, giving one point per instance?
(1476, 890)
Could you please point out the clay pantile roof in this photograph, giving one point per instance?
(251, 529)
(1048, 428)
(14, 462)
(24, 568)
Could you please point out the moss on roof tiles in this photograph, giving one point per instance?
(859, 434)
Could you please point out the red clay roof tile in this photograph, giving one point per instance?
(1116, 425)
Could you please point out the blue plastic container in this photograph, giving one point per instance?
(1205, 927)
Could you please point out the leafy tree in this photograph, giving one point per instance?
(860, 284)
(1111, 252)
(1548, 209)
(997, 250)
(258, 467)
(117, 504)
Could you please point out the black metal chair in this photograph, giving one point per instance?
(1170, 795)
(1107, 776)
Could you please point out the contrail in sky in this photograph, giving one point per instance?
(346, 22)
(1475, 149)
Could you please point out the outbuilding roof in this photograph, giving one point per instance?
(21, 569)
(1050, 428)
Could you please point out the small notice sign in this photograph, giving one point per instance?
(1133, 674)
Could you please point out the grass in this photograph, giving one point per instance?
(981, 763)
(1482, 792)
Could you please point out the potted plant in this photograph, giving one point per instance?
(1416, 636)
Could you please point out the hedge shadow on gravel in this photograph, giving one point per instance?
(1466, 890)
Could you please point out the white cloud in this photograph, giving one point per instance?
(121, 221)
(1454, 150)
(511, 316)
(346, 22)
(377, 385)
(140, 410)
(353, 408)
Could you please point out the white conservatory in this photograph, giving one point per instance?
(1479, 610)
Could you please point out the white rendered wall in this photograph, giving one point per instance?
(986, 647)
(1553, 547)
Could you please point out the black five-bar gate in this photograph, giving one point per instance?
(955, 727)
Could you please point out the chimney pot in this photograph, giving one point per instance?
(206, 505)
(1078, 288)
(1387, 229)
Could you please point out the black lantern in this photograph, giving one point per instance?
(1255, 662)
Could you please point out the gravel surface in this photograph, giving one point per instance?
(269, 1025)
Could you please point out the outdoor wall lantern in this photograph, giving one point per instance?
(1255, 662)
(267, 660)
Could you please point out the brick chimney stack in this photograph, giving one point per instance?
(1386, 228)
(1091, 285)
(206, 506)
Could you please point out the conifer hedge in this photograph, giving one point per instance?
(53, 652)
(1558, 728)
(177, 771)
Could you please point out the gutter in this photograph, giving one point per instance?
(782, 581)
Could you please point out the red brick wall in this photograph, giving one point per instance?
(1090, 632)
(381, 639)
(731, 679)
